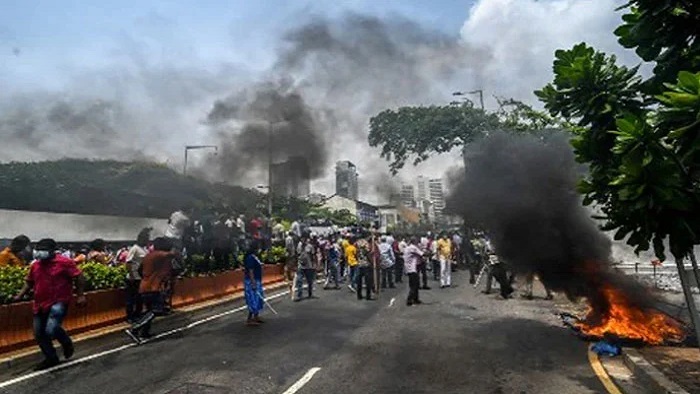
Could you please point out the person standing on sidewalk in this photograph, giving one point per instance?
(134, 305)
(412, 257)
(52, 276)
(444, 255)
(423, 263)
(306, 267)
(252, 282)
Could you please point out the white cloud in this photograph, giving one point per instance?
(522, 36)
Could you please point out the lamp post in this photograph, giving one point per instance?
(194, 147)
(478, 91)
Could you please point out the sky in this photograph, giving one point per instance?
(136, 79)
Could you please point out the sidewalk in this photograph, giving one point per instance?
(680, 365)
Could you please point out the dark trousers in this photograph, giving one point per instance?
(221, 257)
(388, 276)
(436, 269)
(47, 327)
(398, 270)
(307, 274)
(423, 271)
(332, 275)
(364, 273)
(499, 273)
(134, 305)
(153, 301)
(475, 265)
(413, 284)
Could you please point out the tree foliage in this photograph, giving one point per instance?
(115, 188)
(419, 132)
(639, 138)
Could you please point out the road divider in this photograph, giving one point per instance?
(107, 307)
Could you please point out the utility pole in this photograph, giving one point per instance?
(269, 173)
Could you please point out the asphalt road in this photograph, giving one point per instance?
(459, 341)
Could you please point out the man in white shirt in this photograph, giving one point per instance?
(412, 257)
(137, 252)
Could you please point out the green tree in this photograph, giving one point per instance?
(640, 138)
(419, 132)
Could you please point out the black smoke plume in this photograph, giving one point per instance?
(274, 120)
(336, 73)
(520, 189)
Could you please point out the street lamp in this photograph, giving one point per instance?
(194, 147)
(478, 91)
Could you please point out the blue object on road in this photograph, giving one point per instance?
(604, 348)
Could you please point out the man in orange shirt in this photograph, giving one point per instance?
(11, 255)
(156, 272)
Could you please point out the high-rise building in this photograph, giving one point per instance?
(346, 183)
(422, 188)
(408, 196)
(436, 195)
(291, 178)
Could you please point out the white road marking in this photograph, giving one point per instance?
(85, 359)
(391, 303)
(304, 380)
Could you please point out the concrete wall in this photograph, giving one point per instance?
(68, 227)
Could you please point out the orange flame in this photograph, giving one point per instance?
(627, 321)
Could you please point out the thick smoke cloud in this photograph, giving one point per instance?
(273, 116)
(521, 190)
(336, 74)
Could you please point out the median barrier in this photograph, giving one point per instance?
(107, 307)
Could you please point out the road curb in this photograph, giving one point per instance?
(649, 374)
(9, 359)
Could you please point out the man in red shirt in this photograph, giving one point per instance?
(51, 276)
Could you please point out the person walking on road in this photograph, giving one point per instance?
(444, 255)
(333, 258)
(252, 282)
(423, 264)
(351, 257)
(52, 277)
(134, 258)
(364, 269)
(156, 274)
(306, 267)
(290, 266)
(412, 257)
(387, 260)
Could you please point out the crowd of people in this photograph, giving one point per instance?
(363, 260)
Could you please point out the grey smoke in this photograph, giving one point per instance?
(340, 72)
(521, 190)
(271, 116)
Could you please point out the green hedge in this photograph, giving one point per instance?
(97, 277)
(11, 282)
(101, 277)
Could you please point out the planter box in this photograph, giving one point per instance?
(107, 307)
